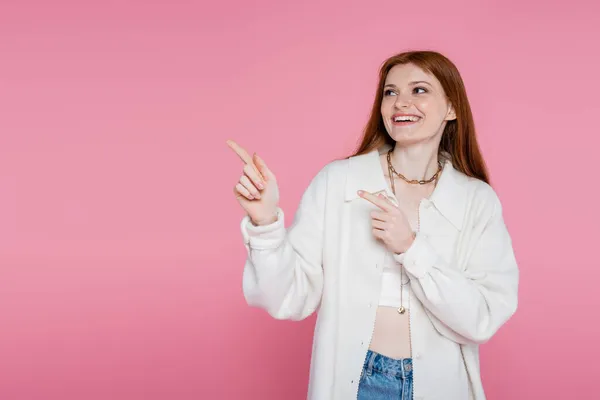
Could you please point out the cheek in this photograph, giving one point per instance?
(386, 106)
(424, 106)
(431, 110)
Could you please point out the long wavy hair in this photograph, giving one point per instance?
(458, 139)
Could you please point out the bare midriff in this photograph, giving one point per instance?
(391, 336)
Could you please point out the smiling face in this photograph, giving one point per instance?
(414, 107)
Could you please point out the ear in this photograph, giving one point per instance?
(451, 115)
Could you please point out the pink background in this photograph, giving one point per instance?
(120, 252)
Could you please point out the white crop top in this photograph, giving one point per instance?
(390, 284)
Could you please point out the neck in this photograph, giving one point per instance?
(415, 162)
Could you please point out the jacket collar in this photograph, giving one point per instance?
(449, 196)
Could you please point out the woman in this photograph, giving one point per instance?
(401, 248)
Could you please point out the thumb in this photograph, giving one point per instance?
(262, 167)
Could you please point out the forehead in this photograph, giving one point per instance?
(405, 73)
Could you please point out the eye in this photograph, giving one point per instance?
(388, 92)
(421, 88)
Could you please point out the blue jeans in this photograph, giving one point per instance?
(385, 378)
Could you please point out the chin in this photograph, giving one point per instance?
(407, 139)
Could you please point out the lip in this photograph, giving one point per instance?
(405, 123)
(405, 115)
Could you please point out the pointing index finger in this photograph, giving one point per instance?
(385, 205)
(243, 154)
(240, 151)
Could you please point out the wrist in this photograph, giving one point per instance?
(265, 221)
(407, 243)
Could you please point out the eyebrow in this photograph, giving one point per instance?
(411, 83)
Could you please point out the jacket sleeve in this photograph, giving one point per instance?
(283, 273)
(469, 302)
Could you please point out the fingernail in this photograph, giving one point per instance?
(260, 185)
(360, 192)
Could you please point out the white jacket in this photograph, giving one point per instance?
(463, 272)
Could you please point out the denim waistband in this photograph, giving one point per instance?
(402, 368)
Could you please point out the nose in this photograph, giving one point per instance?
(402, 101)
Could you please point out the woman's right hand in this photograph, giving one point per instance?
(257, 190)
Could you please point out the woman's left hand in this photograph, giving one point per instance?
(390, 224)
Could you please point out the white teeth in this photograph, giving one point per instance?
(406, 118)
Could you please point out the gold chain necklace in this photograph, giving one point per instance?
(411, 181)
(391, 172)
